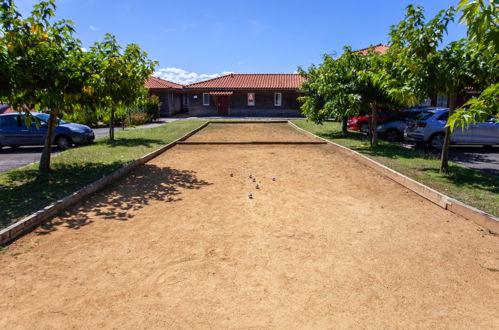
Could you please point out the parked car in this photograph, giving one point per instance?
(15, 132)
(393, 128)
(361, 123)
(429, 128)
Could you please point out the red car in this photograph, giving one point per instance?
(361, 123)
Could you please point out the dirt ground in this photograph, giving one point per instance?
(249, 132)
(178, 244)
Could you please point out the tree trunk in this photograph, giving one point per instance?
(444, 159)
(111, 126)
(374, 124)
(344, 126)
(44, 165)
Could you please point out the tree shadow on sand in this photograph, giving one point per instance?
(128, 195)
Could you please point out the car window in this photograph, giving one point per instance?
(412, 114)
(424, 115)
(9, 121)
(34, 122)
(45, 117)
(444, 116)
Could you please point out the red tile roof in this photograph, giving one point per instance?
(379, 48)
(222, 93)
(251, 81)
(155, 82)
(5, 108)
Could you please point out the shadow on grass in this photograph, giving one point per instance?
(466, 177)
(389, 150)
(334, 135)
(383, 149)
(26, 193)
(131, 142)
(128, 195)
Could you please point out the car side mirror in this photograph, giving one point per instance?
(43, 124)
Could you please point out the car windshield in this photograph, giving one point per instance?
(424, 115)
(45, 118)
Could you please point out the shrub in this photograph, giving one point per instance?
(147, 110)
(137, 118)
(86, 117)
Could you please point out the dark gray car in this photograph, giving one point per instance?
(393, 128)
(17, 130)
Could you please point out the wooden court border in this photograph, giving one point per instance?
(469, 212)
(27, 224)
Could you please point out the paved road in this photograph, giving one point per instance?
(476, 157)
(10, 159)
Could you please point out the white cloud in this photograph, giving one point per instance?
(84, 49)
(91, 27)
(184, 77)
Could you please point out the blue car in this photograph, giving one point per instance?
(15, 132)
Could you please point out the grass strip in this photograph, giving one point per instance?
(22, 192)
(467, 185)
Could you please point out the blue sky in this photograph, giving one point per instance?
(195, 40)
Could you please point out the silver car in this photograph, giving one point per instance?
(429, 128)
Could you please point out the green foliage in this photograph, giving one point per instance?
(343, 87)
(43, 66)
(85, 116)
(482, 20)
(150, 106)
(414, 46)
(352, 84)
(119, 79)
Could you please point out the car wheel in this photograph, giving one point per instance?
(364, 128)
(392, 135)
(64, 142)
(437, 141)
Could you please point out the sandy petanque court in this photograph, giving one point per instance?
(179, 245)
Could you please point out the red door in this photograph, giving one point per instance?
(223, 105)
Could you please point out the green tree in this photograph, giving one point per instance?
(349, 85)
(41, 62)
(119, 83)
(427, 69)
(482, 20)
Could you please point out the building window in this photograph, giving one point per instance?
(442, 101)
(206, 99)
(251, 99)
(278, 99)
(186, 99)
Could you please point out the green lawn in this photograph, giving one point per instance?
(469, 186)
(22, 193)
